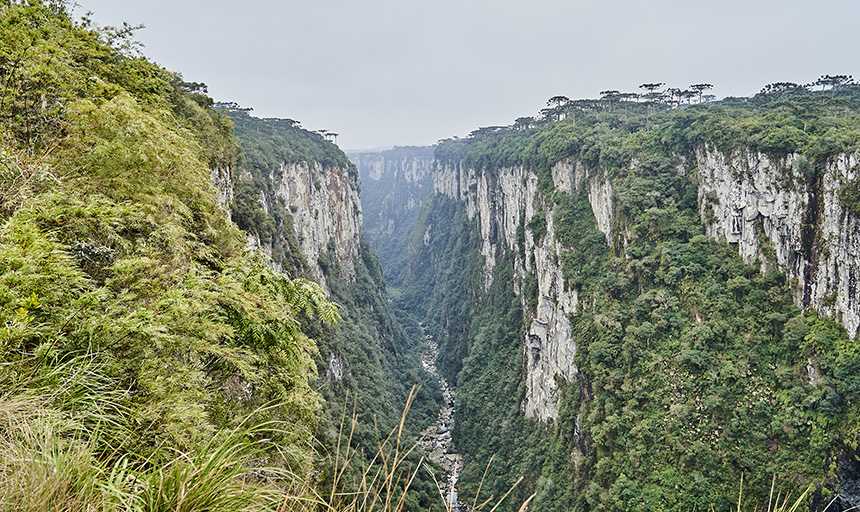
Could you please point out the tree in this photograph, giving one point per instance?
(833, 81)
(652, 95)
(688, 95)
(610, 97)
(701, 88)
(674, 96)
(557, 101)
(524, 123)
(652, 86)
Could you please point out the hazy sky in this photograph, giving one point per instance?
(404, 72)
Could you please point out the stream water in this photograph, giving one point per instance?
(436, 439)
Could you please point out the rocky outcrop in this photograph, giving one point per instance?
(780, 212)
(569, 175)
(787, 214)
(222, 178)
(500, 202)
(326, 212)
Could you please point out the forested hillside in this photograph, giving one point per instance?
(629, 293)
(149, 360)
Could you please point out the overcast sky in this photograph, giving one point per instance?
(405, 72)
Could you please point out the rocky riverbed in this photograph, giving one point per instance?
(436, 439)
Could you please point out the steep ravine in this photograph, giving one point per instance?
(297, 197)
(633, 307)
(744, 200)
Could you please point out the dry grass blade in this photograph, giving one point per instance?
(481, 484)
(525, 504)
(506, 494)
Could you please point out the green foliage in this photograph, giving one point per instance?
(438, 289)
(694, 368)
(269, 143)
(849, 197)
(537, 225)
(111, 245)
(380, 357)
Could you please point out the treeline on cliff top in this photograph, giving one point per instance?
(695, 370)
(606, 133)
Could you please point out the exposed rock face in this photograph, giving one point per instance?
(222, 178)
(770, 210)
(569, 175)
(326, 210)
(336, 369)
(767, 208)
(500, 202)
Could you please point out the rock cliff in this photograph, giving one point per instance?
(787, 214)
(324, 202)
(764, 207)
(501, 203)
(222, 178)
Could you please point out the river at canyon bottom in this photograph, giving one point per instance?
(436, 439)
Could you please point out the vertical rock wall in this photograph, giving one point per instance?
(499, 202)
(326, 209)
(222, 178)
(394, 184)
(772, 210)
(768, 209)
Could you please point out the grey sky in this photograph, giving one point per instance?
(401, 72)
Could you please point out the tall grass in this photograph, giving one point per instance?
(782, 502)
(65, 445)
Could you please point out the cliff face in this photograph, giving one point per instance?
(501, 203)
(326, 211)
(297, 197)
(315, 207)
(762, 207)
(394, 183)
(769, 210)
(222, 178)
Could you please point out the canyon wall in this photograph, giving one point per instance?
(770, 211)
(325, 206)
(762, 207)
(394, 184)
(501, 203)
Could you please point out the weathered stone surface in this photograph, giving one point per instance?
(397, 180)
(326, 208)
(499, 202)
(222, 178)
(763, 207)
(770, 212)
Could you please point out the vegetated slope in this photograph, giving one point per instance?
(298, 197)
(137, 330)
(624, 359)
